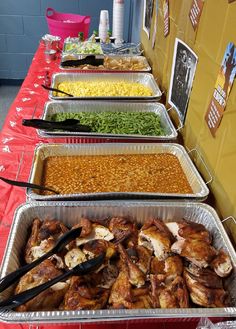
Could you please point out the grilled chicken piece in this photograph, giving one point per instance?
(189, 230)
(198, 252)
(136, 276)
(124, 230)
(96, 247)
(221, 264)
(86, 226)
(82, 295)
(43, 238)
(98, 232)
(161, 227)
(202, 294)
(205, 276)
(74, 257)
(144, 259)
(157, 285)
(174, 295)
(120, 296)
(171, 267)
(108, 276)
(141, 298)
(156, 241)
(49, 299)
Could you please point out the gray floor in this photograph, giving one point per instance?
(7, 96)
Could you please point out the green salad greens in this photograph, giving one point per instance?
(83, 48)
(136, 123)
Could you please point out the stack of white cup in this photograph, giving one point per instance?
(103, 25)
(118, 21)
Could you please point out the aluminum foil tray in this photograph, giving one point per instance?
(199, 188)
(142, 59)
(76, 107)
(146, 79)
(69, 212)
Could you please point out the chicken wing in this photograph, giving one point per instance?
(49, 299)
(198, 252)
(120, 296)
(203, 295)
(222, 264)
(136, 276)
(43, 238)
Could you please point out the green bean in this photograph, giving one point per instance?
(137, 123)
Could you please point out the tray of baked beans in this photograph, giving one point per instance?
(160, 260)
(120, 170)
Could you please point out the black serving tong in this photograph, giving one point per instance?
(60, 244)
(88, 60)
(26, 184)
(67, 125)
(25, 296)
(57, 90)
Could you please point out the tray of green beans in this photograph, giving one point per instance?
(112, 119)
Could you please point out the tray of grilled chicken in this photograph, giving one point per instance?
(115, 170)
(111, 120)
(160, 260)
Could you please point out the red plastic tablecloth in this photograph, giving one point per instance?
(17, 144)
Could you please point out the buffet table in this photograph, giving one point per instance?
(17, 144)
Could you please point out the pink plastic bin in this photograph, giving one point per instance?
(67, 25)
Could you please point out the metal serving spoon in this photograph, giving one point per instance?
(60, 244)
(25, 296)
(57, 90)
(26, 184)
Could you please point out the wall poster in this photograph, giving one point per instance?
(155, 26)
(182, 74)
(147, 16)
(222, 89)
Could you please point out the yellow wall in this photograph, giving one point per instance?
(216, 29)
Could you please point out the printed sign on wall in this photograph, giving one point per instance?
(155, 26)
(182, 74)
(147, 16)
(222, 89)
(195, 12)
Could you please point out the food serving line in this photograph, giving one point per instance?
(18, 144)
